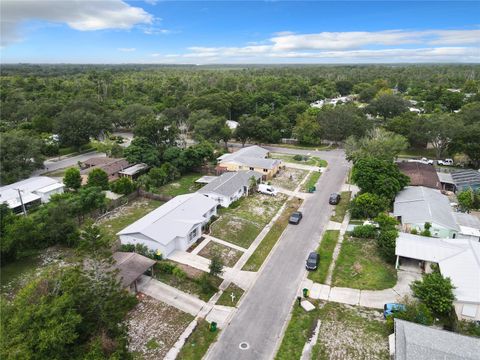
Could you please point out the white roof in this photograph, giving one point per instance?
(232, 124)
(173, 219)
(458, 259)
(419, 204)
(28, 187)
(254, 156)
(469, 225)
(132, 170)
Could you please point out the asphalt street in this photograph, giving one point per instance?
(265, 308)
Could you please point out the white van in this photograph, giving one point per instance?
(267, 189)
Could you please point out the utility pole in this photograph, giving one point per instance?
(21, 201)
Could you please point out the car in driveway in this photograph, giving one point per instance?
(312, 261)
(295, 218)
(392, 308)
(334, 199)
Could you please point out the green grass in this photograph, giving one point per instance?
(342, 207)
(338, 324)
(241, 224)
(327, 245)
(311, 160)
(226, 300)
(186, 184)
(56, 173)
(305, 147)
(198, 342)
(127, 215)
(359, 266)
(428, 153)
(311, 181)
(229, 255)
(256, 260)
(11, 274)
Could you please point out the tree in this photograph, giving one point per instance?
(378, 143)
(307, 130)
(435, 291)
(99, 178)
(388, 106)
(20, 155)
(440, 130)
(72, 179)
(340, 122)
(109, 147)
(344, 87)
(466, 199)
(123, 186)
(411, 126)
(157, 131)
(386, 242)
(131, 113)
(216, 264)
(142, 151)
(452, 100)
(368, 206)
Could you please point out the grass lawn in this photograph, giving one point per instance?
(311, 181)
(241, 224)
(289, 178)
(226, 299)
(327, 245)
(56, 173)
(347, 333)
(310, 160)
(306, 147)
(359, 266)
(229, 256)
(126, 215)
(342, 207)
(261, 252)
(409, 153)
(198, 342)
(186, 184)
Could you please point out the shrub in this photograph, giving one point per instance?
(206, 284)
(386, 241)
(298, 157)
(364, 231)
(216, 264)
(72, 179)
(99, 178)
(122, 186)
(127, 247)
(415, 311)
(165, 267)
(367, 205)
(179, 273)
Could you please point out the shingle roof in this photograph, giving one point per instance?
(254, 156)
(419, 342)
(111, 168)
(466, 178)
(174, 218)
(419, 204)
(131, 266)
(230, 182)
(420, 174)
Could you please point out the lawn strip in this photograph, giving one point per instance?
(198, 342)
(226, 298)
(327, 245)
(342, 207)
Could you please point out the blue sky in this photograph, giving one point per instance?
(149, 31)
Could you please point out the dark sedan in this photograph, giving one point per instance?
(295, 218)
(334, 199)
(312, 261)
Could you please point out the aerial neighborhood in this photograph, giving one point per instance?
(297, 184)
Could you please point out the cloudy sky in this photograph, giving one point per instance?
(201, 32)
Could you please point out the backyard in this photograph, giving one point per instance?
(327, 245)
(243, 220)
(289, 178)
(342, 207)
(347, 333)
(229, 255)
(184, 185)
(359, 266)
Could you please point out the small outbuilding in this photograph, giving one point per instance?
(131, 266)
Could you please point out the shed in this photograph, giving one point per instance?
(131, 266)
(134, 171)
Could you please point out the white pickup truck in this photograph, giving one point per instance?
(446, 162)
(422, 160)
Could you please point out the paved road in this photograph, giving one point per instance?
(55, 164)
(263, 312)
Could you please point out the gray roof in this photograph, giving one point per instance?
(419, 204)
(419, 342)
(466, 178)
(29, 189)
(230, 182)
(253, 156)
(464, 219)
(445, 177)
(131, 266)
(133, 170)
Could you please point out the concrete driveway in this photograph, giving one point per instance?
(264, 310)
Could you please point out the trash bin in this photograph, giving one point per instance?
(213, 326)
(305, 292)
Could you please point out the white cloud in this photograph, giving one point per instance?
(82, 15)
(127, 49)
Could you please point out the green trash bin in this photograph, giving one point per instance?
(213, 326)
(305, 292)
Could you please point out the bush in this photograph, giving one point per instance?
(72, 179)
(206, 284)
(415, 311)
(368, 206)
(298, 157)
(165, 267)
(122, 186)
(364, 231)
(179, 273)
(99, 178)
(386, 241)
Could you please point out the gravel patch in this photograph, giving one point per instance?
(289, 178)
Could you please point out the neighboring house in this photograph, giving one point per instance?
(446, 181)
(230, 186)
(457, 259)
(416, 205)
(35, 190)
(111, 166)
(466, 179)
(175, 225)
(252, 158)
(420, 174)
(469, 226)
(232, 125)
(134, 171)
(131, 267)
(412, 341)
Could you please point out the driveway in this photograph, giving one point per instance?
(264, 310)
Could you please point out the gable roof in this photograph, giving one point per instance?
(111, 167)
(28, 187)
(254, 156)
(420, 174)
(419, 342)
(173, 219)
(419, 204)
(229, 183)
(131, 266)
(466, 178)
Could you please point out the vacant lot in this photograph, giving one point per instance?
(125, 215)
(347, 333)
(154, 327)
(229, 256)
(342, 207)
(359, 266)
(186, 184)
(327, 245)
(242, 222)
(289, 178)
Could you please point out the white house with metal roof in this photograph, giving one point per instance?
(457, 259)
(416, 205)
(34, 190)
(230, 186)
(175, 225)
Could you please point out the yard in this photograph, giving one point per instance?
(347, 333)
(229, 255)
(125, 215)
(154, 327)
(289, 178)
(311, 181)
(327, 245)
(198, 342)
(359, 266)
(306, 160)
(242, 221)
(184, 185)
(342, 207)
(226, 297)
(261, 252)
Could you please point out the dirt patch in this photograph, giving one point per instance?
(289, 178)
(154, 327)
(125, 210)
(229, 255)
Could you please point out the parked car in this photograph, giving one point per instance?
(295, 218)
(446, 162)
(267, 189)
(392, 308)
(423, 160)
(312, 261)
(334, 199)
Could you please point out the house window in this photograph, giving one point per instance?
(252, 168)
(193, 234)
(265, 170)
